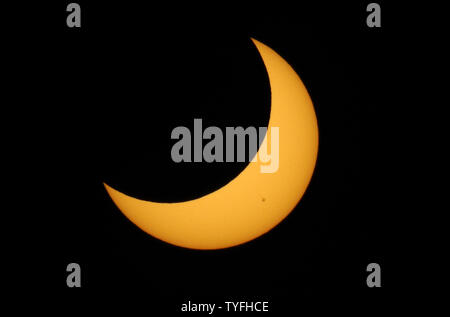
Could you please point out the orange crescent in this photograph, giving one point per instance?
(253, 202)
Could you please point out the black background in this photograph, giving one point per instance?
(106, 97)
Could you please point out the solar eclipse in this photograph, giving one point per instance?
(254, 202)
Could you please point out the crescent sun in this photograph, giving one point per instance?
(253, 202)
